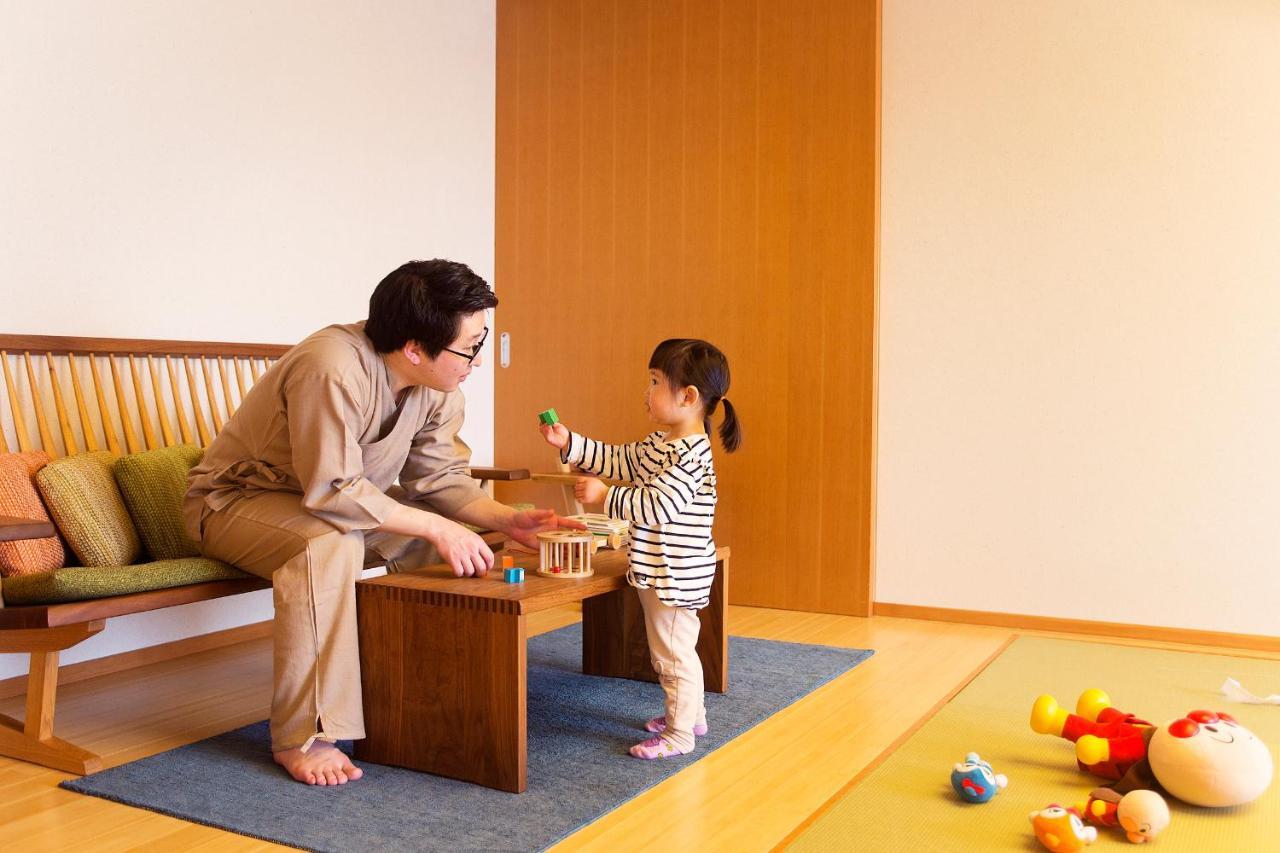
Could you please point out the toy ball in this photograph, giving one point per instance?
(1142, 814)
(1061, 830)
(975, 781)
(1208, 759)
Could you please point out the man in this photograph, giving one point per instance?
(299, 488)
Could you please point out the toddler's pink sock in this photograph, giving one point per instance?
(654, 747)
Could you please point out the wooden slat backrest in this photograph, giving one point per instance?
(142, 399)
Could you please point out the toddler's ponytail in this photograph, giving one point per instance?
(730, 429)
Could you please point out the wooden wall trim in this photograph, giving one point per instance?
(1189, 636)
(17, 685)
(865, 599)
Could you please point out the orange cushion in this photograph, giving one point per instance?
(19, 498)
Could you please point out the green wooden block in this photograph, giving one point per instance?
(549, 417)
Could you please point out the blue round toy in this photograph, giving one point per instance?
(975, 781)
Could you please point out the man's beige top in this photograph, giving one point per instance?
(323, 423)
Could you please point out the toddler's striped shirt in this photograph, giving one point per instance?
(671, 507)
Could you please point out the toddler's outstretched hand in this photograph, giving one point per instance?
(589, 490)
(557, 435)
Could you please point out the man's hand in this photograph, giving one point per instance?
(557, 435)
(527, 524)
(464, 551)
(589, 490)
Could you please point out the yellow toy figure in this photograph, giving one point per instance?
(1061, 830)
(1205, 758)
(1142, 814)
(1108, 741)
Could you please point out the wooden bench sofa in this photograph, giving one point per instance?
(160, 394)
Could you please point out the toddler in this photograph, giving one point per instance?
(671, 505)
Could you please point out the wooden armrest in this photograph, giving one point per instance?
(500, 473)
(571, 478)
(13, 529)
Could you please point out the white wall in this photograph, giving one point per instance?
(242, 171)
(1080, 310)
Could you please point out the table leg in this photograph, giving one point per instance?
(444, 687)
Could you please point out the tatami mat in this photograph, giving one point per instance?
(907, 804)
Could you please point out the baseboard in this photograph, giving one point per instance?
(1190, 636)
(74, 672)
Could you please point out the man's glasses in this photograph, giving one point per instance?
(475, 350)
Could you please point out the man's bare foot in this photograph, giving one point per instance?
(322, 764)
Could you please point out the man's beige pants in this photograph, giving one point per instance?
(313, 569)
(673, 649)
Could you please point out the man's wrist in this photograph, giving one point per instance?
(429, 525)
(507, 520)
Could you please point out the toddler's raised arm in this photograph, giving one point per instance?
(611, 461)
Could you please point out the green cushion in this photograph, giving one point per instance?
(82, 584)
(153, 484)
(86, 505)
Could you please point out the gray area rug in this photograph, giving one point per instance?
(579, 730)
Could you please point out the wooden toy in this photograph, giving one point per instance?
(508, 561)
(513, 575)
(549, 417)
(565, 553)
(609, 532)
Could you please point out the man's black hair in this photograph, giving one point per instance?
(425, 301)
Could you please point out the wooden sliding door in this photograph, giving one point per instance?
(701, 169)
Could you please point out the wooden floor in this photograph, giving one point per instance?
(781, 773)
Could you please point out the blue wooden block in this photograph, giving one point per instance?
(515, 575)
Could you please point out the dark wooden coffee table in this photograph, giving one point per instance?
(443, 660)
